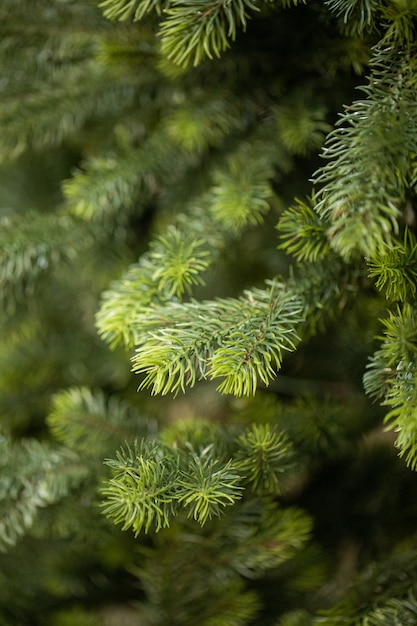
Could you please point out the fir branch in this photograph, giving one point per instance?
(367, 178)
(241, 191)
(396, 612)
(263, 457)
(301, 123)
(136, 9)
(396, 269)
(271, 536)
(392, 377)
(33, 475)
(241, 341)
(303, 232)
(199, 29)
(126, 302)
(141, 493)
(112, 185)
(178, 260)
(89, 423)
(357, 14)
(33, 245)
(200, 475)
(59, 110)
(198, 124)
(205, 488)
(401, 21)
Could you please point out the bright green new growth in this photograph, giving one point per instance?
(153, 482)
(238, 340)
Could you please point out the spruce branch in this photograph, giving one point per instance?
(89, 423)
(178, 260)
(358, 14)
(33, 475)
(198, 29)
(241, 341)
(273, 536)
(370, 159)
(241, 191)
(205, 488)
(391, 377)
(263, 457)
(141, 493)
(303, 232)
(125, 9)
(395, 269)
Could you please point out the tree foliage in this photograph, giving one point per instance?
(160, 237)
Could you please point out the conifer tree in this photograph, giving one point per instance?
(208, 381)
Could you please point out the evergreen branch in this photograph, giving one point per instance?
(401, 21)
(240, 192)
(199, 124)
(303, 232)
(205, 488)
(270, 536)
(199, 29)
(125, 303)
(141, 493)
(263, 457)
(88, 423)
(112, 185)
(178, 260)
(396, 269)
(301, 123)
(105, 186)
(52, 114)
(367, 178)
(32, 246)
(356, 13)
(239, 340)
(136, 9)
(392, 377)
(33, 475)
(200, 474)
(326, 287)
(396, 612)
